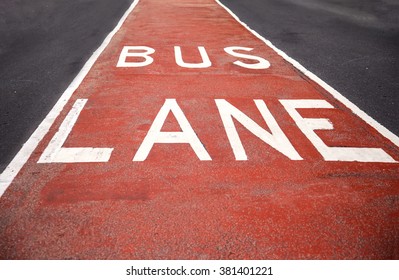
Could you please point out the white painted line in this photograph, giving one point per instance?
(309, 125)
(27, 149)
(204, 56)
(56, 153)
(356, 110)
(186, 135)
(275, 138)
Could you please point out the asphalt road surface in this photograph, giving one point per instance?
(43, 46)
(187, 136)
(352, 45)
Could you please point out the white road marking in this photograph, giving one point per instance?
(356, 110)
(275, 139)
(204, 56)
(56, 153)
(8, 175)
(155, 135)
(131, 51)
(261, 62)
(308, 125)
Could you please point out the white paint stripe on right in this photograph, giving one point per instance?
(356, 110)
(27, 149)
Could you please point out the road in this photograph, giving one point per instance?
(187, 135)
(352, 45)
(43, 46)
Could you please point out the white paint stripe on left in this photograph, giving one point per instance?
(56, 153)
(11, 171)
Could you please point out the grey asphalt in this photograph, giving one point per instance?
(353, 45)
(43, 45)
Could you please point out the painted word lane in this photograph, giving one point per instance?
(189, 136)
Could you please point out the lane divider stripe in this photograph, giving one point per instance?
(27, 149)
(356, 110)
(11, 171)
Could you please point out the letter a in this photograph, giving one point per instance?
(155, 135)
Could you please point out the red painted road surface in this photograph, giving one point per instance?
(268, 165)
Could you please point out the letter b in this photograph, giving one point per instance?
(135, 51)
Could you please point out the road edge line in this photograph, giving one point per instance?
(23, 155)
(338, 96)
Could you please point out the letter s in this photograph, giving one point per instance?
(261, 62)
